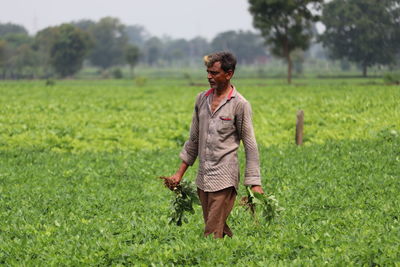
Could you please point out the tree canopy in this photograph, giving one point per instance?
(132, 54)
(366, 32)
(68, 50)
(136, 35)
(11, 28)
(247, 45)
(285, 25)
(113, 45)
(110, 40)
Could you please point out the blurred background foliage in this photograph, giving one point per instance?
(323, 39)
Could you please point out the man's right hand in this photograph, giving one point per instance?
(172, 181)
(175, 179)
(257, 189)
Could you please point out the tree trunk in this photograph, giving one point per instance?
(365, 70)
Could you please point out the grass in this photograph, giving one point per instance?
(341, 207)
(79, 163)
(118, 115)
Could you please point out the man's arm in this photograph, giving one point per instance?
(245, 124)
(189, 151)
(177, 177)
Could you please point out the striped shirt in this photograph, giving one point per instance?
(215, 138)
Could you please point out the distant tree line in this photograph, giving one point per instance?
(364, 32)
(63, 50)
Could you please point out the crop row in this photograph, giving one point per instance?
(105, 116)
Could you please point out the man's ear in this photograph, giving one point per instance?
(229, 74)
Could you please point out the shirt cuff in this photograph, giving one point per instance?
(252, 181)
(186, 158)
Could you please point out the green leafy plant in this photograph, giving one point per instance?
(50, 82)
(78, 167)
(117, 73)
(140, 81)
(391, 78)
(266, 206)
(185, 197)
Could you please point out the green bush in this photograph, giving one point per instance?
(117, 73)
(50, 82)
(140, 81)
(392, 78)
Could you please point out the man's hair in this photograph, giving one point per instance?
(227, 59)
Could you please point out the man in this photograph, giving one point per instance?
(221, 118)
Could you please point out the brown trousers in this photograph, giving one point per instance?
(216, 208)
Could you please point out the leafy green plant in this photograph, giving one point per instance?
(140, 81)
(391, 78)
(50, 82)
(388, 134)
(185, 197)
(77, 168)
(266, 206)
(117, 73)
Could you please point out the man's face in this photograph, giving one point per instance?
(217, 77)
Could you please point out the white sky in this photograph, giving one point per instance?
(175, 18)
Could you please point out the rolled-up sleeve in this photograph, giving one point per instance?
(190, 149)
(246, 134)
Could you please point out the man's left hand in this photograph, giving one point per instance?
(257, 189)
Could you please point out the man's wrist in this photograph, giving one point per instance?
(257, 188)
(178, 175)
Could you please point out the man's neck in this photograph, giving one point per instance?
(223, 91)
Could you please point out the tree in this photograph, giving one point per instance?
(153, 51)
(132, 56)
(3, 57)
(298, 58)
(285, 25)
(246, 45)
(24, 61)
(136, 35)
(43, 43)
(17, 39)
(176, 50)
(10, 28)
(18, 57)
(84, 24)
(199, 47)
(362, 31)
(110, 40)
(69, 49)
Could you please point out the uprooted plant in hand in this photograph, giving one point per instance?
(261, 204)
(185, 197)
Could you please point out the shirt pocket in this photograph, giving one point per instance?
(225, 124)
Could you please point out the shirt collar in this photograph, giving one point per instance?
(231, 94)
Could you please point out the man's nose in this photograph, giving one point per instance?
(209, 76)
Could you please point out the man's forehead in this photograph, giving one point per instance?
(216, 65)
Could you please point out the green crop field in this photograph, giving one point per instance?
(79, 163)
